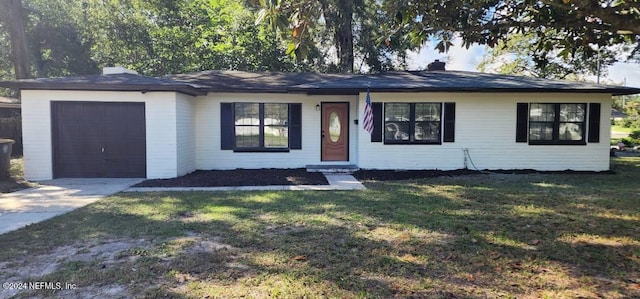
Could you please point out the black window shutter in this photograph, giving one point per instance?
(449, 122)
(295, 126)
(594, 122)
(522, 130)
(226, 126)
(378, 122)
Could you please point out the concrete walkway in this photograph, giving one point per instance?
(53, 198)
(337, 181)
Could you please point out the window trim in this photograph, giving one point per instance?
(412, 123)
(556, 125)
(261, 126)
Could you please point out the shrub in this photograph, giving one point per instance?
(630, 122)
(630, 142)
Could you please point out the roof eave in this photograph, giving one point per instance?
(352, 91)
(10, 105)
(185, 89)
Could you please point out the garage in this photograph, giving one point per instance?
(98, 139)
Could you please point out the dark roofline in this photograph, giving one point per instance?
(188, 90)
(202, 83)
(356, 91)
(456, 81)
(110, 82)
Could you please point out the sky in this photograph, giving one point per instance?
(462, 59)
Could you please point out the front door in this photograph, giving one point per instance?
(335, 131)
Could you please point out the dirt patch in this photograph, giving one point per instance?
(241, 177)
(98, 258)
(34, 267)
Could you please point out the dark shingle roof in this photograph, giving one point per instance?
(315, 83)
(239, 81)
(452, 81)
(111, 82)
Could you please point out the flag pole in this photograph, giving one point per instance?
(367, 123)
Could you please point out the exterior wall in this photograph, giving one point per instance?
(486, 127)
(160, 114)
(186, 134)
(36, 136)
(210, 156)
(183, 133)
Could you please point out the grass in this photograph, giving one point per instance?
(477, 236)
(616, 128)
(15, 181)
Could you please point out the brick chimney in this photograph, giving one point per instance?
(436, 65)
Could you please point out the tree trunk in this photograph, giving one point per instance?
(339, 18)
(19, 54)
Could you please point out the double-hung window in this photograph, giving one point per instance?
(412, 123)
(557, 123)
(261, 126)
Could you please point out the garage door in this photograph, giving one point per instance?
(98, 139)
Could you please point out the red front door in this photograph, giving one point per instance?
(335, 131)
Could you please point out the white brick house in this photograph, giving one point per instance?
(126, 125)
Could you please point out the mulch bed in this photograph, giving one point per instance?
(300, 176)
(241, 177)
(396, 175)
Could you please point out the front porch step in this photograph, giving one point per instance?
(332, 168)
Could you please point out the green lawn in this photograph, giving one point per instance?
(479, 236)
(621, 129)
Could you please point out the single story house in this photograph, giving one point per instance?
(121, 124)
(617, 115)
(10, 123)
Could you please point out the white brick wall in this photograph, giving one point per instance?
(183, 133)
(36, 136)
(210, 156)
(160, 115)
(162, 151)
(485, 125)
(186, 133)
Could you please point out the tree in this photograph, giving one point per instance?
(372, 48)
(569, 28)
(15, 22)
(58, 42)
(161, 37)
(518, 55)
(304, 29)
(353, 27)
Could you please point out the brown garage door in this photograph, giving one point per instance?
(98, 139)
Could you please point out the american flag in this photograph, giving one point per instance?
(368, 115)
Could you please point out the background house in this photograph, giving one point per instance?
(10, 123)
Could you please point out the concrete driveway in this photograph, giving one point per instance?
(53, 198)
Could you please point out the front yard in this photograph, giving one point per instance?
(472, 236)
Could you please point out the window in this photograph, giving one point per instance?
(261, 126)
(557, 123)
(412, 123)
